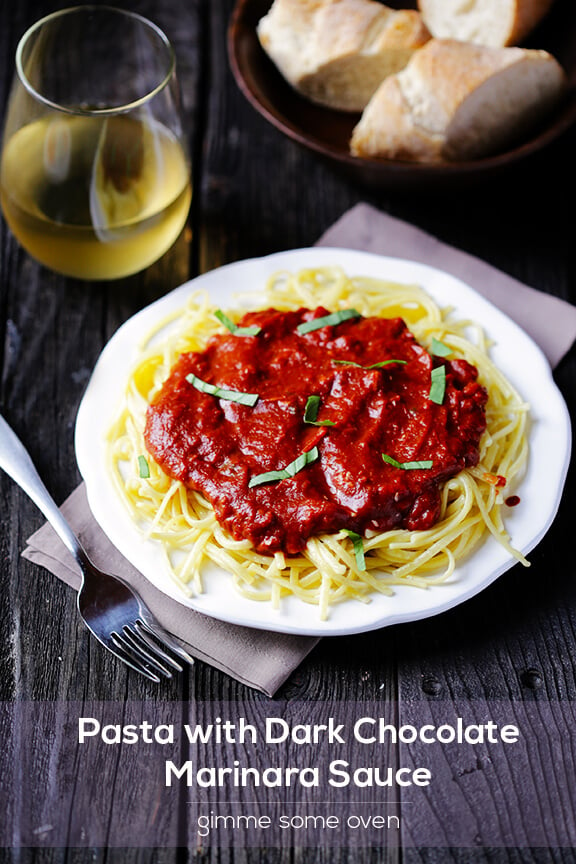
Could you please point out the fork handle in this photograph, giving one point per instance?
(16, 462)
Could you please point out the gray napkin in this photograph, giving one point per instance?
(258, 658)
(549, 321)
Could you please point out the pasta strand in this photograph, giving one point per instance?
(326, 573)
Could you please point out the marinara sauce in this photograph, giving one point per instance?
(218, 446)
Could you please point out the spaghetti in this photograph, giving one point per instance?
(332, 567)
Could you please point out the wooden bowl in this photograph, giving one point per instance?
(328, 132)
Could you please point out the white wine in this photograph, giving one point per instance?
(95, 197)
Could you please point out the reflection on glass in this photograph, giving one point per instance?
(95, 180)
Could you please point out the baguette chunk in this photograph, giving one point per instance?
(458, 101)
(337, 52)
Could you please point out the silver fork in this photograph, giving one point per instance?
(110, 608)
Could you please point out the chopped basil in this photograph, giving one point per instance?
(372, 366)
(289, 471)
(253, 330)
(439, 349)
(358, 545)
(407, 466)
(327, 320)
(222, 393)
(437, 385)
(143, 468)
(311, 412)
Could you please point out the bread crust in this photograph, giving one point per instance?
(457, 101)
(337, 52)
(506, 23)
(388, 130)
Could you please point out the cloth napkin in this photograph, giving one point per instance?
(258, 658)
(550, 322)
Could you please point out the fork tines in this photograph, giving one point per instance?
(146, 650)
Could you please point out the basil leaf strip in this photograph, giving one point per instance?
(358, 544)
(311, 412)
(439, 349)
(437, 385)
(289, 471)
(143, 468)
(373, 366)
(253, 330)
(327, 320)
(229, 395)
(407, 466)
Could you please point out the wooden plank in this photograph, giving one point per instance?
(53, 330)
(255, 193)
(261, 192)
(515, 642)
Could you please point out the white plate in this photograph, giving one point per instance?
(514, 353)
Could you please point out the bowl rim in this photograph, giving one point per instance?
(564, 116)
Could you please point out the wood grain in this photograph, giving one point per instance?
(256, 192)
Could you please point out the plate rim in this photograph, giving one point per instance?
(175, 298)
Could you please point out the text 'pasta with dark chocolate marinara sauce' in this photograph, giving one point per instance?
(342, 417)
(306, 422)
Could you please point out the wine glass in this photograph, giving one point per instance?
(95, 176)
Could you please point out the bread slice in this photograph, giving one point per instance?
(487, 22)
(458, 101)
(337, 52)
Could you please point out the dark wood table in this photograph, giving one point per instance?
(513, 646)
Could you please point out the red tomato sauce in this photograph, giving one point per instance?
(217, 446)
